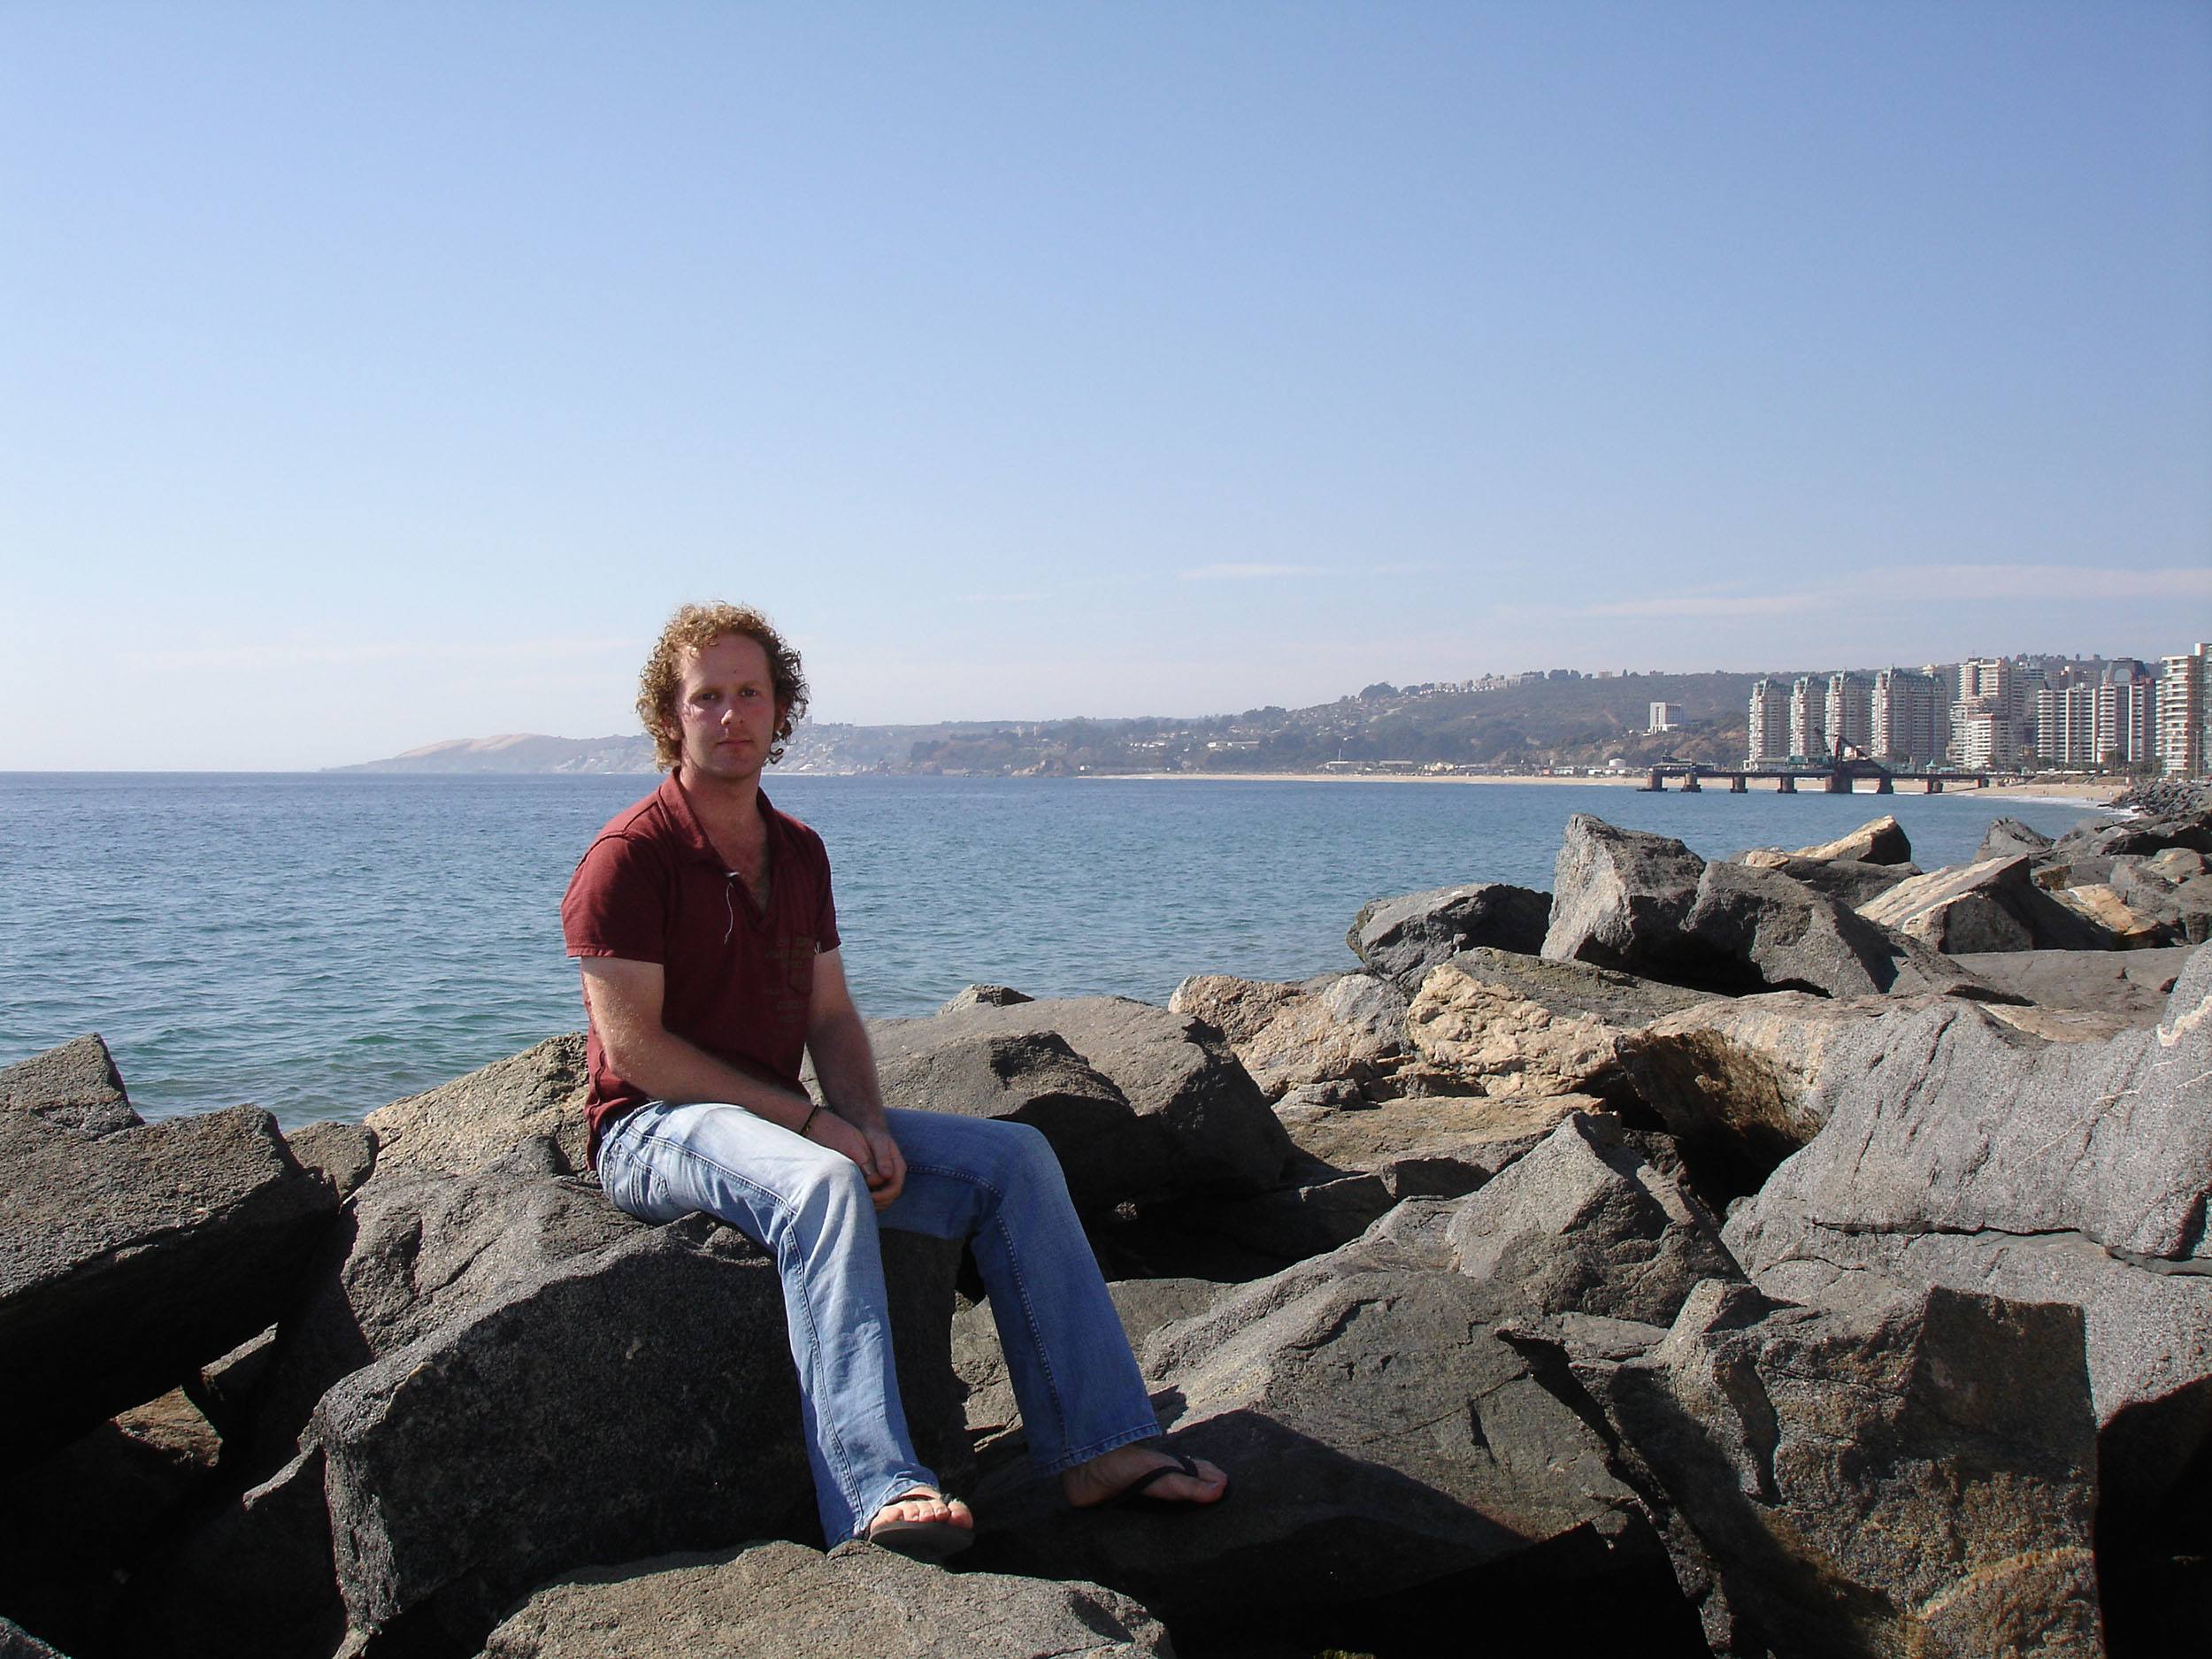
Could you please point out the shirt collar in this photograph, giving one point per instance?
(676, 802)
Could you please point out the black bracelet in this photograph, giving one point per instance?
(809, 1123)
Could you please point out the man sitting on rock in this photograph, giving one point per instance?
(708, 937)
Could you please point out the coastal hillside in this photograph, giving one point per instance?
(1520, 722)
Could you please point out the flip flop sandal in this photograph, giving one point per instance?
(921, 1540)
(1138, 1493)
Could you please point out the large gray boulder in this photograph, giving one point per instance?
(1907, 1474)
(1583, 1224)
(614, 1406)
(1772, 933)
(74, 1086)
(2170, 889)
(1615, 892)
(1402, 938)
(1647, 904)
(1958, 1156)
(2152, 833)
(1993, 905)
(1849, 881)
(457, 1299)
(1140, 1103)
(2008, 838)
(1743, 1082)
(2130, 984)
(131, 1258)
(1358, 1473)
(77, 1523)
(253, 1575)
(344, 1153)
(417, 1248)
(480, 1117)
(980, 1358)
(792, 1603)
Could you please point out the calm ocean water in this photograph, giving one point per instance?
(320, 945)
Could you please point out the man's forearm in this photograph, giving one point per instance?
(845, 1063)
(668, 1068)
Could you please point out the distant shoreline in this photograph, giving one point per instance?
(2089, 793)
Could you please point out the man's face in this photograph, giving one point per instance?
(725, 709)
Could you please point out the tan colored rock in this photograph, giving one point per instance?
(2131, 928)
(2064, 1025)
(1744, 1072)
(175, 1429)
(462, 1126)
(1505, 1045)
(1476, 1130)
(1240, 1010)
(1992, 905)
(1350, 1028)
(1882, 841)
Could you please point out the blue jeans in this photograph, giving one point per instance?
(1077, 1386)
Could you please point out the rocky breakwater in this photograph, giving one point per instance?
(1687, 1258)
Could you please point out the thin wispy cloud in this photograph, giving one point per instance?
(1246, 572)
(337, 653)
(2039, 582)
(1707, 605)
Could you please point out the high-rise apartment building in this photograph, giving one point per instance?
(2184, 715)
(2066, 725)
(1848, 717)
(1809, 714)
(1901, 716)
(2127, 715)
(1986, 718)
(1767, 734)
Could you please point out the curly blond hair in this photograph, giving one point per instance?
(693, 628)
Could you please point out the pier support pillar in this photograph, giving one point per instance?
(1740, 785)
(1838, 783)
(1934, 786)
(1691, 786)
(1789, 785)
(1885, 786)
(1655, 784)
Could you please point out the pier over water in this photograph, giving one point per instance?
(1839, 777)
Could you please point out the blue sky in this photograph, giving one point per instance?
(383, 373)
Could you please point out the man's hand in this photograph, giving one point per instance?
(887, 1178)
(847, 1068)
(873, 1148)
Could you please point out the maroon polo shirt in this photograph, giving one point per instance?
(738, 981)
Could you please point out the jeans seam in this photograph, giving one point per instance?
(832, 1443)
(1021, 1284)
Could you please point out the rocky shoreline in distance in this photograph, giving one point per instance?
(1802, 1254)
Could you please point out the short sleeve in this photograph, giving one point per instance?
(616, 903)
(825, 912)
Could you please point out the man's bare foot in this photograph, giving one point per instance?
(1130, 1472)
(923, 1523)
